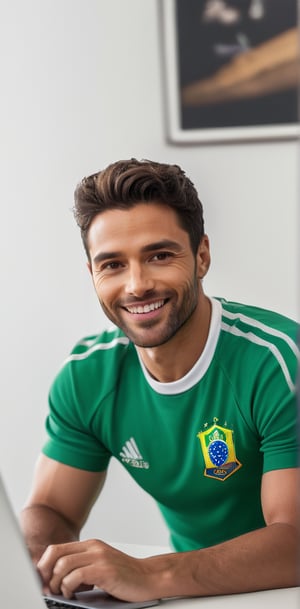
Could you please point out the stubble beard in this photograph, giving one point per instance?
(176, 320)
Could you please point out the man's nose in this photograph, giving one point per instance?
(139, 280)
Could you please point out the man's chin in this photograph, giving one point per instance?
(146, 341)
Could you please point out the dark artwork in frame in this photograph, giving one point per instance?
(232, 69)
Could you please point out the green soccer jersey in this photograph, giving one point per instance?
(198, 445)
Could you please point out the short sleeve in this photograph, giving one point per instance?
(71, 438)
(276, 418)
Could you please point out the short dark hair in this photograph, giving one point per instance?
(126, 183)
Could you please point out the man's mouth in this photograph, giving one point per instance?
(147, 308)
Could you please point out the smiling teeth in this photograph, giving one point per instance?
(146, 308)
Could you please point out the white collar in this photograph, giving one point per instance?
(197, 372)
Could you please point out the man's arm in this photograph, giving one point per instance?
(262, 559)
(58, 505)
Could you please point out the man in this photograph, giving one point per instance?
(194, 395)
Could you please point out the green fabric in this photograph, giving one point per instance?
(199, 446)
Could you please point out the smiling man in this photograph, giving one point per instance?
(215, 378)
(147, 280)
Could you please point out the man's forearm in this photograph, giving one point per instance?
(42, 526)
(263, 559)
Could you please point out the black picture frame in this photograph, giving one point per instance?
(231, 74)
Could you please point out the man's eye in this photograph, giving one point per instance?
(161, 256)
(110, 266)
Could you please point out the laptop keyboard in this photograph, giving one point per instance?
(51, 604)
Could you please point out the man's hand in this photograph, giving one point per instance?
(66, 568)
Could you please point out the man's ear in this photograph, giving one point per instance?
(203, 257)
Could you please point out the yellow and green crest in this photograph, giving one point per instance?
(219, 453)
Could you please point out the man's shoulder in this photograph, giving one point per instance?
(254, 335)
(109, 342)
(257, 319)
(100, 354)
(94, 365)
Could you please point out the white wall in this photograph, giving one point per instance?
(81, 86)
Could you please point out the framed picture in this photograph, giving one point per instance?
(231, 69)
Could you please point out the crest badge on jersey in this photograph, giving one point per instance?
(219, 452)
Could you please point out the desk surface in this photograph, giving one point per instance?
(284, 598)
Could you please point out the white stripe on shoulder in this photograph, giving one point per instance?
(263, 343)
(267, 329)
(121, 340)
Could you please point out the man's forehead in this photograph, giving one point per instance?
(144, 227)
(153, 216)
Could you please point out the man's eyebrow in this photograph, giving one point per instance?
(150, 247)
(106, 256)
(163, 244)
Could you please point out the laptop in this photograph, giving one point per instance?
(20, 585)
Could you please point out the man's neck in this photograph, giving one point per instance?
(173, 360)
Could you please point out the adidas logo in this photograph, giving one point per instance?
(131, 455)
